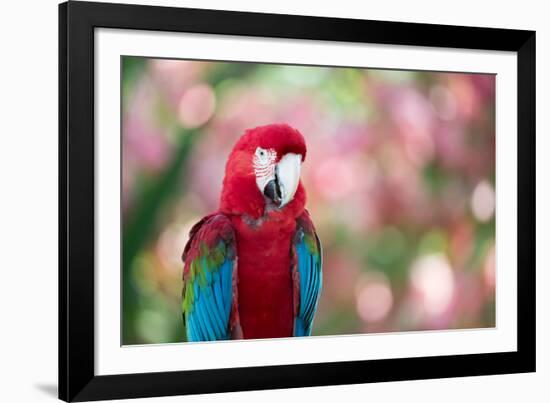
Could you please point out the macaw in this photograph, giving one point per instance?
(253, 268)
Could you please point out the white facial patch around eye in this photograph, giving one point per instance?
(264, 166)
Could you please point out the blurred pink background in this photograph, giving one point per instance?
(400, 179)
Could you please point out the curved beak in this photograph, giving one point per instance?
(283, 186)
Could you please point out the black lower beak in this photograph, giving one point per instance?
(273, 191)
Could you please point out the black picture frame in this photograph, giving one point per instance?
(77, 21)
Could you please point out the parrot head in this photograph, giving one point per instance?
(263, 172)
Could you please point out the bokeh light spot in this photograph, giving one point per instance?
(482, 202)
(196, 106)
(171, 241)
(432, 278)
(374, 301)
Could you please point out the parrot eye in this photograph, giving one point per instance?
(260, 152)
(264, 157)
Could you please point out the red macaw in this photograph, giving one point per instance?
(253, 268)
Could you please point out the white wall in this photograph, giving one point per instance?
(28, 201)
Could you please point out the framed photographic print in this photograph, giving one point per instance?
(255, 201)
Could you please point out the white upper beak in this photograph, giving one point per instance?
(288, 173)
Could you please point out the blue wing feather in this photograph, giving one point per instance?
(227, 270)
(307, 249)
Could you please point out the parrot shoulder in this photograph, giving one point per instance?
(209, 230)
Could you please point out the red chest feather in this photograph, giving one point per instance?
(265, 279)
